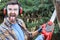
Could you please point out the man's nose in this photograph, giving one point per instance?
(12, 11)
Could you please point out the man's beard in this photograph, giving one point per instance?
(12, 17)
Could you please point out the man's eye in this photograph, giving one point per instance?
(10, 9)
(15, 9)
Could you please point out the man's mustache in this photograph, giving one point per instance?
(13, 14)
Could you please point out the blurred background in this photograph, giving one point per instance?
(35, 13)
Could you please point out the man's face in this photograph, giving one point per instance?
(12, 11)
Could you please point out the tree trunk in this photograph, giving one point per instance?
(57, 3)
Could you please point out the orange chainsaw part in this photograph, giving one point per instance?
(47, 35)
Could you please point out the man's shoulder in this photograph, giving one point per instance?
(3, 26)
(4, 34)
(20, 20)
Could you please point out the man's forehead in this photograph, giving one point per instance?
(13, 6)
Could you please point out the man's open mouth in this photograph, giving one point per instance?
(12, 15)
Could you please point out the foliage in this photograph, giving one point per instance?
(3, 3)
(41, 10)
(34, 5)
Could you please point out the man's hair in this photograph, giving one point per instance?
(13, 3)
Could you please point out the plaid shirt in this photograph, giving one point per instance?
(6, 32)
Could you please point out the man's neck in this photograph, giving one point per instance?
(12, 22)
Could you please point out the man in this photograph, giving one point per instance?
(12, 27)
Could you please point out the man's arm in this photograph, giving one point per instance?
(31, 34)
(35, 33)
